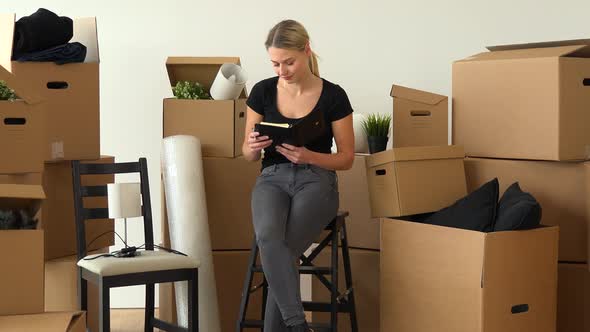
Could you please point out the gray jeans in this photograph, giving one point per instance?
(291, 205)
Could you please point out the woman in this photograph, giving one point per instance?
(296, 194)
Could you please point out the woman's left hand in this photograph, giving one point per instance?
(295, 154)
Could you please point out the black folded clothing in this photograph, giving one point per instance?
(40, 31)
(68, 53)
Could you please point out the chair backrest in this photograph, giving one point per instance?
(82, 214)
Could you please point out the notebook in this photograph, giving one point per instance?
(299, 133)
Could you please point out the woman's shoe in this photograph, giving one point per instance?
(303, 327)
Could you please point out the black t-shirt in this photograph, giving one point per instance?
(333, 102)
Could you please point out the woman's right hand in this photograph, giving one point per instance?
(257, 142)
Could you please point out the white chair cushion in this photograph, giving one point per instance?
(146, 261)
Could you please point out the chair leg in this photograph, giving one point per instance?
(348, 277)
(104, 307)
(334, 288)
(149, 308)
(83, 294)
(193, 302)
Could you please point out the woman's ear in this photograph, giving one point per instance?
(307, 49)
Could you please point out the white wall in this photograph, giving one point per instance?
(365, 46)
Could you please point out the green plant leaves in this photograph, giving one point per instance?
(377, 124)
(190, 90)
(6, 93)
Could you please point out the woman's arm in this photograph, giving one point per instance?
(341, 160)
(253, 143)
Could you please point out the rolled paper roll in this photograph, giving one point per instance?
(229, 82)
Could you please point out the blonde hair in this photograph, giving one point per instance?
(291, 35)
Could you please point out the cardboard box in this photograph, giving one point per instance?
(21, 280)
(362, 230)
(219, 124)
(228, 187)
(53, 322)
(420, 118)
(21, 255)
(24, 178)
(58, 215)
(365, 282)
(525, 101)
(573, 298)
(412, 180)
(562, 189)
(436, 278)
(61, 288)
(22, 127)
(230, 271)
(71, 92)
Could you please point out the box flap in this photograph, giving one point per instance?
(398, 91)
(23, 91)
(198, 69)
(574, 48)
(6, 37)
(21, 191)
(581, 43)
(416, 153)
(520, 278)
(51, 321)
(85, 32)
(421, 265)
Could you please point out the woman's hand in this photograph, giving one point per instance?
(297, 155)
(256, 142)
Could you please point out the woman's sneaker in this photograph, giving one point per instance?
(303, 327)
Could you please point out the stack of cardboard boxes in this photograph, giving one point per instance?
(521, 111)
(419, 118)
(229, 178)
(55, 120)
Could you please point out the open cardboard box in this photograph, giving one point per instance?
(58, 215)
(413, 180)
(71, 92)
(561, 188)
(420, 118)
(218, 124)
(61, 288)
(436, 278)
(50, 322)
(22, 127)
(526, 101)
(21, 254)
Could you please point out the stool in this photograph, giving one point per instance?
(339, 301)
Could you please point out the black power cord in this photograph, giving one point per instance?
(128, 251)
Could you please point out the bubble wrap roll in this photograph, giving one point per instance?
(184, 186)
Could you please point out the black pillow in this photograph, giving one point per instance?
(476, 211)
(517, 210)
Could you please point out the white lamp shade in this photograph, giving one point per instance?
(124, 200)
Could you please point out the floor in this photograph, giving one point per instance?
(129, 320)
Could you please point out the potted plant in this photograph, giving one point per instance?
(190, 90)
(376, 127)
(6, 93)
